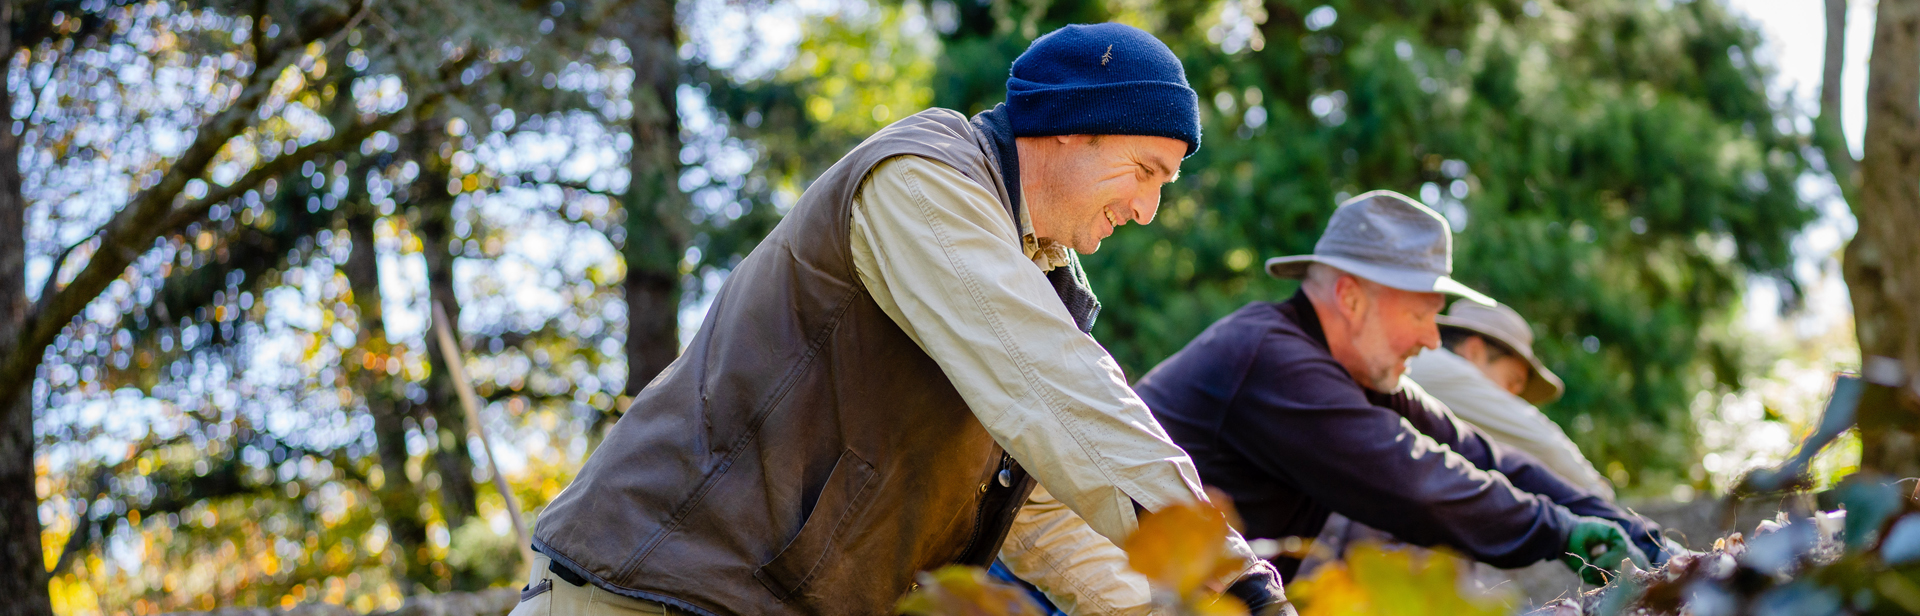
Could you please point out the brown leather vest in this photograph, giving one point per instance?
(803, 456)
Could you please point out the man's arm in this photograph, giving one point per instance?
(1505, 418)
(942, 258)
(1318, 428)
(1525, 472)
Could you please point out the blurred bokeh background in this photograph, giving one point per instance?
(239, 215)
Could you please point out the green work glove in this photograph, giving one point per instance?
(1595, 548)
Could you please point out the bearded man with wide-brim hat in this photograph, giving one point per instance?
(1300, 409)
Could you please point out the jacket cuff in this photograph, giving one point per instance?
(1261, 591)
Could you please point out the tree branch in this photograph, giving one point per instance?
(82, 535)
(151, 213)
(53, 275)
(132, 230)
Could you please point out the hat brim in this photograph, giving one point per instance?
(1543, 386)
(1295, 267)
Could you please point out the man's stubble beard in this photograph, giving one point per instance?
(1386, 380)
(1384, 377)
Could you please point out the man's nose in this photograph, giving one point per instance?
(1145, 207)
(1430, 337)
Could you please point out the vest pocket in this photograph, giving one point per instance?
(839, 501)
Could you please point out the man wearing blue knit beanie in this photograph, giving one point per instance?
(901, 376)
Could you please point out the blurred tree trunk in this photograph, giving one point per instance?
(399, 497)
(1882, 264)
(656, 211)
(1828, 133)
(434, 224)
(23, 570)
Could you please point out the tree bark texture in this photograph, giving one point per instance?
(398, 496)
(656, 211)
(23, 570)
(1882, 263)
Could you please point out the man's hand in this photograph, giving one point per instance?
(1595, 548)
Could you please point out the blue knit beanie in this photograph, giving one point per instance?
(1102, 79)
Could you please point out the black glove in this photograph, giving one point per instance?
(1262, 593)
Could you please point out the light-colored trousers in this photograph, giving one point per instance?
(548, 595)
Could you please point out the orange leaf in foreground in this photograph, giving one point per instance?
(1180, 547)
(956, 590)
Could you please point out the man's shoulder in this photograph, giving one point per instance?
(1258, 316)
(1273, 330)
(937, 141)
(1441, 370)
(936, 125)
(1456, 382)
(1258, 331)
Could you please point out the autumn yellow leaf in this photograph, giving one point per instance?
(957, 590)
(1178, 547)
(1379, 582)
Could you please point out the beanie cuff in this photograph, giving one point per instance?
(1150, 108)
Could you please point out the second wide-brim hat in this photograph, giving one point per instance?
(1388, 238)
(1506, 327)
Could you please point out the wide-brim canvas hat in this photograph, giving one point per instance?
(1508, 329)
(1388, 238)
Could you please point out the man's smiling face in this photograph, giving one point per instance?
(1081, 187)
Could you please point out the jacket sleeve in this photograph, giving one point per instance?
(1504, 418)
(1521, 469)
(942, 257)
(1079, 570)
(1317, 428)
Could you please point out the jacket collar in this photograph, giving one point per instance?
(999, 131)
(1069, 281)
(1301, 309)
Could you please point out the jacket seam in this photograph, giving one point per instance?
(740, 444)
(979, 510)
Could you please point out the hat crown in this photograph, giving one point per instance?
(1387, 228)
(1102, 79)
(1091, 54)
(1498, 321)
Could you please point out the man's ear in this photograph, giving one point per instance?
(1352, 295)
(1472, 349)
